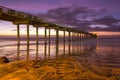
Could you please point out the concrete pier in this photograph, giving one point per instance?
(74, 35)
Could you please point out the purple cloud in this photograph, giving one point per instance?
(83, 18)
(36, 6)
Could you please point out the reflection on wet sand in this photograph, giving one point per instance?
(101, 59)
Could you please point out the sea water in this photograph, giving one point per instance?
(104, 50)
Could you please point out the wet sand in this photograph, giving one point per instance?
(64, 68)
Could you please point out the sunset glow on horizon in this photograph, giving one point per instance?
(10, 29)
(106, 33)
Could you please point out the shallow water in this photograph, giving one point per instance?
(102, 50)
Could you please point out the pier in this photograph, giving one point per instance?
(18, 18)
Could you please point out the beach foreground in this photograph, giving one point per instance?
(63, 68)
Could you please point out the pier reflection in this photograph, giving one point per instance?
(47, 50)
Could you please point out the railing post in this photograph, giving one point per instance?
(18, 41)
(49, 45)
(28, 39)
(57, 43)
(37, 42)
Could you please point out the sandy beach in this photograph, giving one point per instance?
(63, 68)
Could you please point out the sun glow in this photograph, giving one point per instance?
(106, 33)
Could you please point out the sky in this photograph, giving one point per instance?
(36, 6)
(98, 15)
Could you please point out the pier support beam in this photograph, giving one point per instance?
(28, 40)
(79, 42)
(45, 39)
(81, 36)
(64, 42)
(57, 43)
(37, 42)
(69, 42)
(85, 36)
(72, 42)
(49, 44)
(77, 38)
(18, 41)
